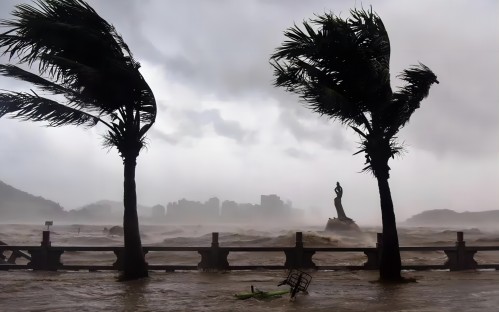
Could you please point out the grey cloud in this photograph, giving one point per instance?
(222, 48)
(298, 153)
(223, 52)
(447, 128)
(192, 124)
(168, 138)
(227, 54)
(312, 128)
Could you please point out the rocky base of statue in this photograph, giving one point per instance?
(337, 225)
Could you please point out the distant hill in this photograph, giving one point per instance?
(447, 217)
(17, 205)
(104, 210)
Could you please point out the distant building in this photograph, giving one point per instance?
(212, 206)
(271, 208)
(229, 211)
(272, 205)
(158, 212)
(193, 211)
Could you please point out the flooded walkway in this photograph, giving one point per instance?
(196, 291)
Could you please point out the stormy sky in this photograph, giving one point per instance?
(224, 130)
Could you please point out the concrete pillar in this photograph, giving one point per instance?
(298, 257)
(461, 258)
(46, 239)
(45, 258)
(214, 258)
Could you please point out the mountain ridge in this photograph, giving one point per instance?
(19, 206)
(449, 217)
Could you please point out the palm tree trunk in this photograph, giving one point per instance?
(134, 264)
(390, 263)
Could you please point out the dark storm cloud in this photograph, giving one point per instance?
(223, 48)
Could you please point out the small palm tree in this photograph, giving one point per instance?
(85, 63)
(342, 71)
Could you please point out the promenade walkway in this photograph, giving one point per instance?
(202, 291)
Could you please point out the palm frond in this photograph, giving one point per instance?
(44, 84)
(340, 70)
(75, 46)
(359, 132)
(146, 102)
(60, 26)
(28, 107)
(406, 100)
(76, 98)
(82, 57)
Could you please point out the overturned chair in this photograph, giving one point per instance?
(298, 281)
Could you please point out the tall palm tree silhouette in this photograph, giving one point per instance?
(86, 65)
(342, 71)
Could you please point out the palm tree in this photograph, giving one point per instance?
(93, 78)
(341, 70)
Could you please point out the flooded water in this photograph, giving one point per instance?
(203, 291)
(199, 291)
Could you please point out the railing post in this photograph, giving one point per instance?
(299, 240)
(46, 239)
(214, 258)
(465, 256)
(460, 258)
(298, 257)
(45, 258)
(214, 240)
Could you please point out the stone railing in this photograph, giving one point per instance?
(215, 257)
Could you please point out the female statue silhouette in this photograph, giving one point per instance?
(337, 203)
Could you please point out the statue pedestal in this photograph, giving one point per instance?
(337, 225)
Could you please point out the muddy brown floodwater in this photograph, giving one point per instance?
(201, 291)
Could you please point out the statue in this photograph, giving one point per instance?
(342, 223)
(337, 203)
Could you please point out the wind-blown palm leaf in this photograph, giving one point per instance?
(56, 24)
(341, 70)
(76, 47)
(26, 106)
(405, 101)
(147, 102)
(323, 92)
(76, 99)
